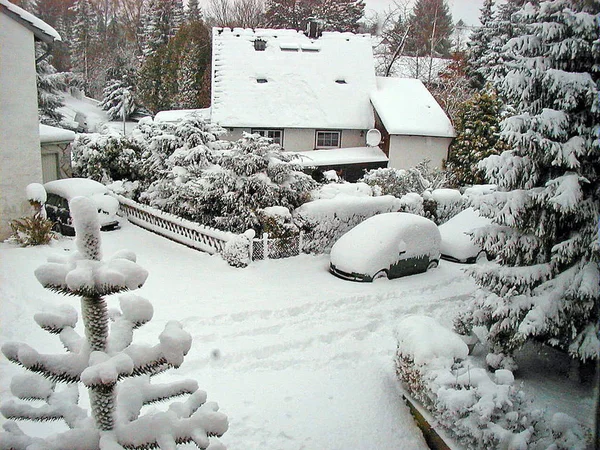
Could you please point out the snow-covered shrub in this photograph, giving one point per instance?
(225, 186)
(37, 229)
(479, 409)
(277, 221)
(324, 221)
(398, 182)
(116, 372)
(443, 204)
(106, 157)
(237, 250)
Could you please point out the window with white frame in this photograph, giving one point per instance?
(329, 139)
(276, 135)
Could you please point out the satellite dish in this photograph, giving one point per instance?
(373, 137)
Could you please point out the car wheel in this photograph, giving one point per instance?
(481, 257)
(381, 274)
(433, 264)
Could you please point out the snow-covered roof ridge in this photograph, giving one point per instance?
(40, 29)
(49, 134)
(406, 107)
(293, 81)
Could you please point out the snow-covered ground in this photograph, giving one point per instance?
(297, 358)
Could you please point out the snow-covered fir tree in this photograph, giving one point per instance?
(477, 128)
(119, 98)
(116, 372)
(332, 15)
(160, 23)
(479, 45)
(193, 13)
(83, 37)
(50, 84)
(544, 283)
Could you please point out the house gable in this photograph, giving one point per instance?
(40, 29)
(283, 79)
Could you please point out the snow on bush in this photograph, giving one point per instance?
(446, 203)
(37, 229)
(398, 182)
(237, 250)
(116, 372)
(324, 221)
(479, 409)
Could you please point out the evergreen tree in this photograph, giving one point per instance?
(161, 22)
(118, 97)
(116, 373)
(429, 29)
(544, 283)
(479, 45)
(83, 38)
(193, 11)
(50, 84)
(333, 15)
(477, 128)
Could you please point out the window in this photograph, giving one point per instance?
(260, 45)
(276, 135)
(328, 139)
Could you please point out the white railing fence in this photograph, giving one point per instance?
(175, 228)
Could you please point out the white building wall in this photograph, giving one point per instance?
(408, 151)
(20, 155)
(304, 139)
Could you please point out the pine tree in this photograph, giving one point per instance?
(544, 284)
(333, 15)
(83, 38)
(161, 22)
(116, 373)
(50, 84)
(430, 29)
(479, 45)
(477, 136)
(117, 94)
(193, 11)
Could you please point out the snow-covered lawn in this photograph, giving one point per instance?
(297, 358)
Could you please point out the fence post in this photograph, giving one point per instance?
(300, 242)
(265, 246)
(250, 235)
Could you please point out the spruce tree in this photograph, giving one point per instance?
(333, 15)
(116, 372)
(50, 84)
(543, 285)
(479, 46)
(477, 129)
(430, 29)
(83, 38)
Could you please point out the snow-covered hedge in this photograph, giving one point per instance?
(327, 219)
(479, 409)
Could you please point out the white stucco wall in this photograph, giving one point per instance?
(20, 156)
(303, 139)
(408, 151)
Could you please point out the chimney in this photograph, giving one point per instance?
(313, 30)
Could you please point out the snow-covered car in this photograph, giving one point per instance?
(60, 193)
(389, 245)
(457, 244)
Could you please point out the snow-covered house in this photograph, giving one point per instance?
(56, 152)
(19, 133)
(320, 94)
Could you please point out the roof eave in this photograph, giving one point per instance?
(38, 33)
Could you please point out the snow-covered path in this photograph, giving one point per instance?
(297, 358)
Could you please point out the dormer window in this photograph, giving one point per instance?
(260, 45)
(261, 80)
(340, 81)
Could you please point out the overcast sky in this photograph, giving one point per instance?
(467, 10)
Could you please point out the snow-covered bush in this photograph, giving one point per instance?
(225, 186)
(237, 250)
(443, 204)
(116, 372)
(106, 157)
(37, 229)
(398, 182)
(324, 221)
(479, 409)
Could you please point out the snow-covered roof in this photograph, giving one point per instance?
(40, 29)
(340, 156)
(176, 115)
(50, 134)
(295, 82)
(406, 107)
